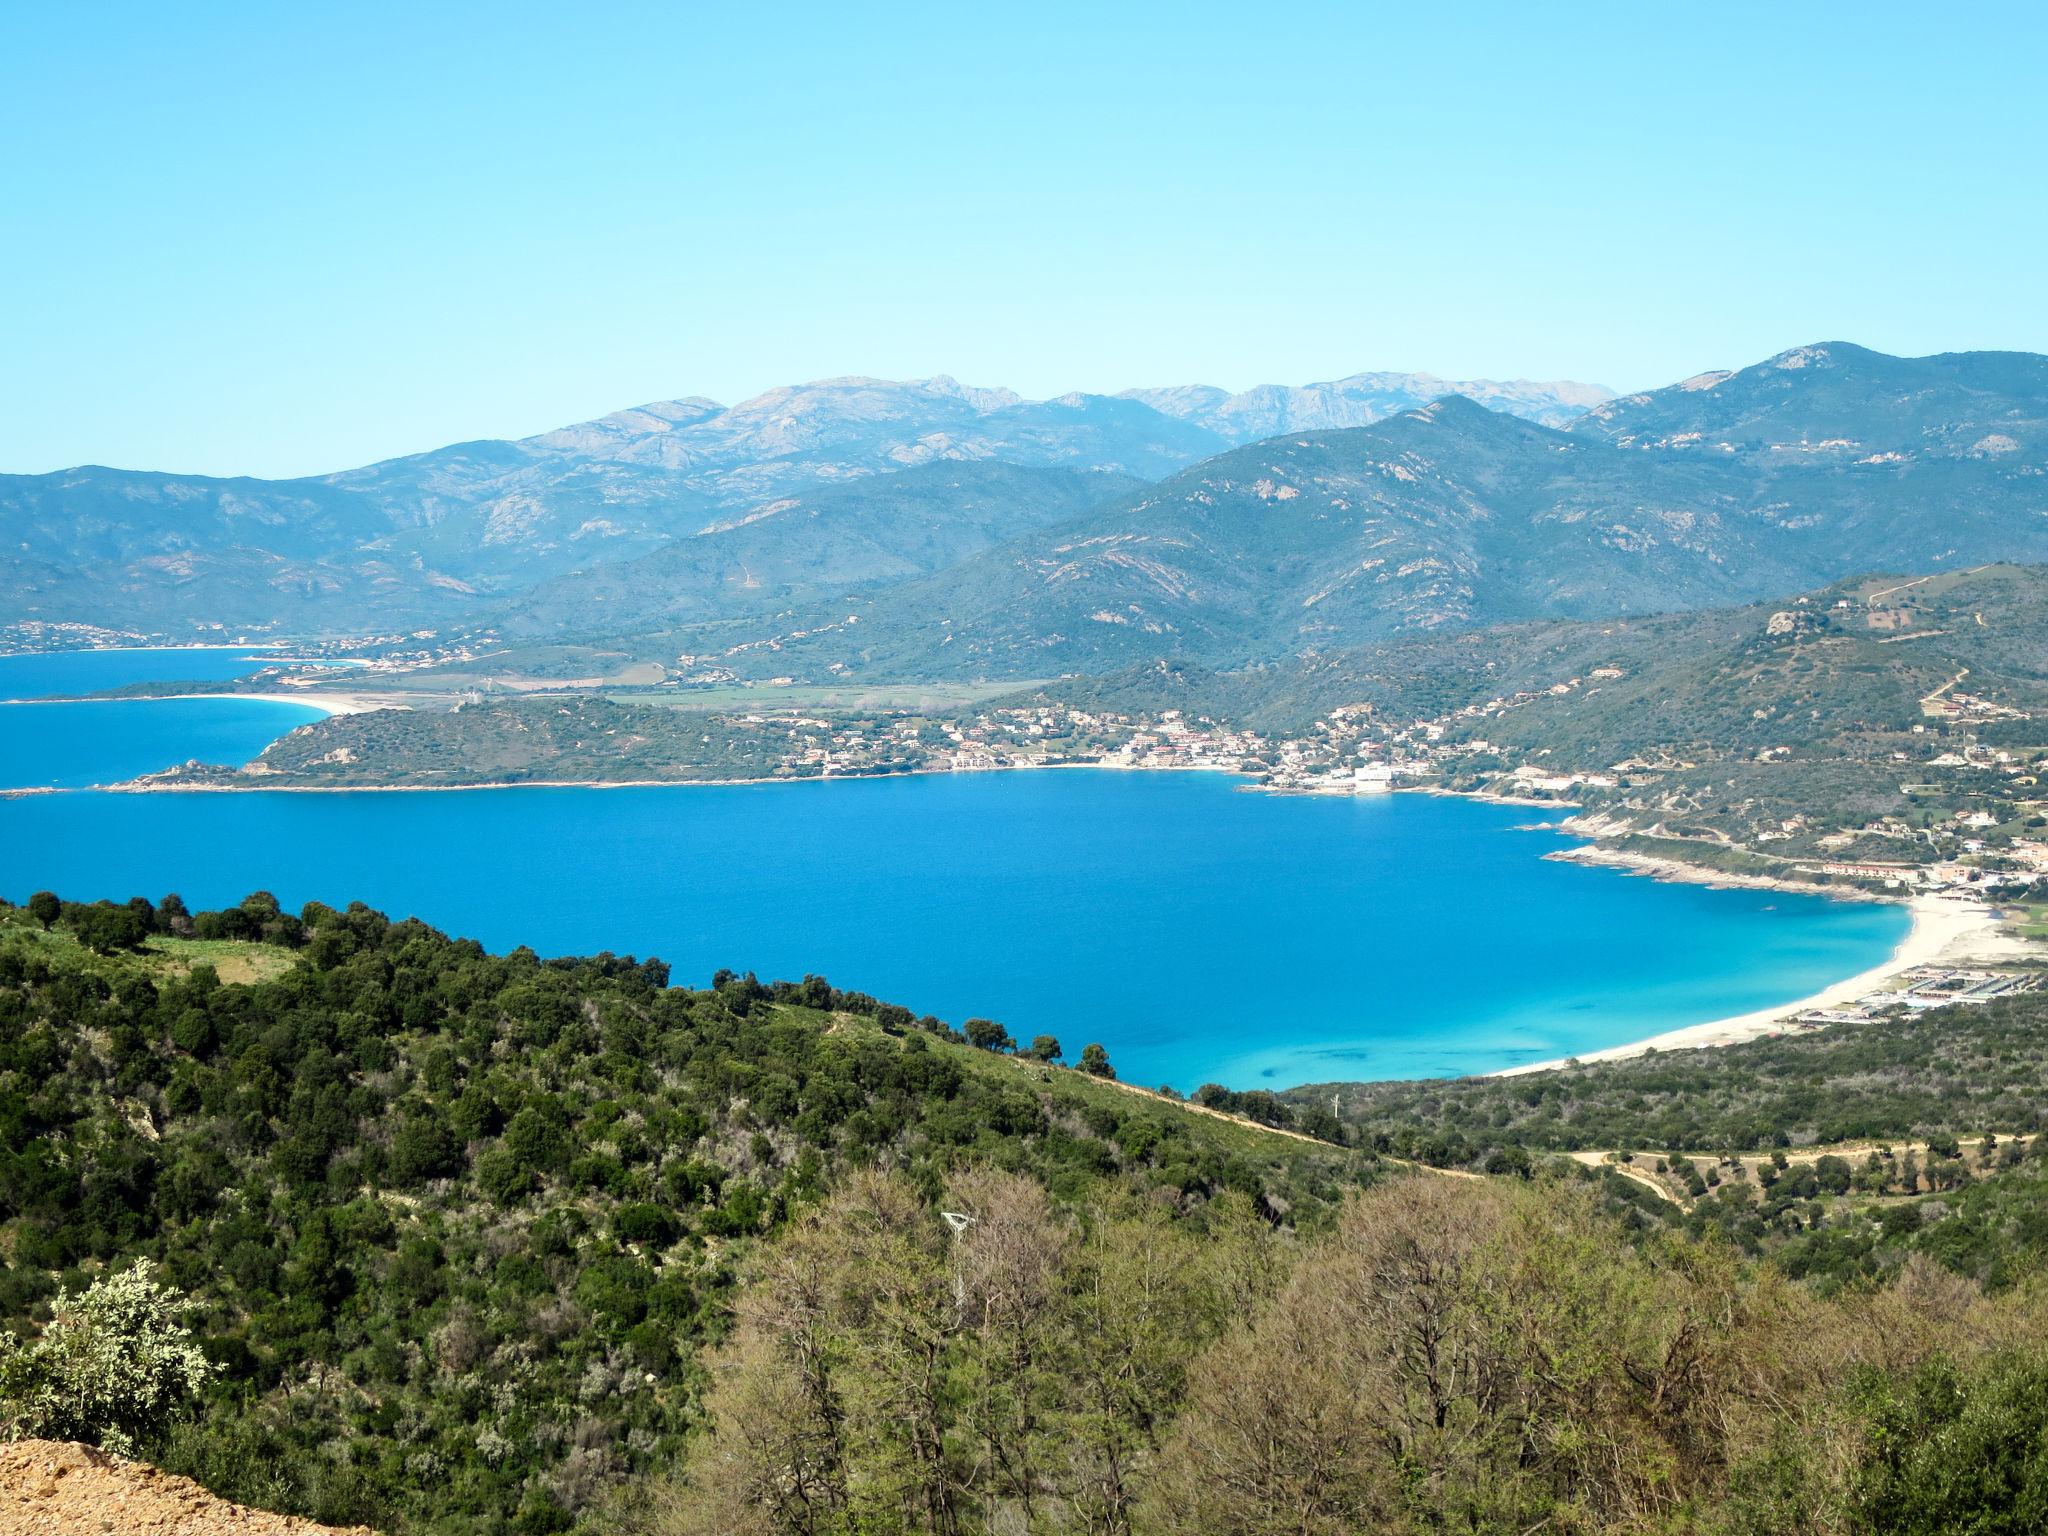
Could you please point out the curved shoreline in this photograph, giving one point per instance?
(325, 703)
(1940, 927)
(256, 786)
(1944, 928)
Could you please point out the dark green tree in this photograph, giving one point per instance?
(988, 1035)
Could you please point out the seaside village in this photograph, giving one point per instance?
(1351, 750)
(1973, 854)
(1987, 843)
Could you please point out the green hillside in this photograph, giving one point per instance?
(1885, 697)
(459, 1224)
(1880, 698)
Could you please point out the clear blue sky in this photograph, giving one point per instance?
(285, 238)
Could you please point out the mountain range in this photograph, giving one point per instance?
(1843, 404)
(1359, 401)
(867, 529)
(1804, 469)
(433, 538)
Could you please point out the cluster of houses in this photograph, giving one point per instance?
(1350, 750)
(1923, 987)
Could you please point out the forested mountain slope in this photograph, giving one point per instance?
(429, 538)
(1802, 469)
(1864, 656)
(865, 533)
(1448, 517)
(1801, 670)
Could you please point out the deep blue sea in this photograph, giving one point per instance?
(1199, 932)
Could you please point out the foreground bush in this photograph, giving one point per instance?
(1454, 1356)
(112, 1368)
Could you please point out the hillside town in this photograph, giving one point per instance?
(1993, 838)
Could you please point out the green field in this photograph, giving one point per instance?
(236, 961)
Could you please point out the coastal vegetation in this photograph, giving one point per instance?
(1838, 1153)
(1446, 1356)
(570, 738)
(1829, 729)
(1959, 1071)
(458, 1226)
(487, 1243)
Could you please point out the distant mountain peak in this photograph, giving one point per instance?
(1834, 397)
(1361, 399)
(689, 408)
(1821, 354)
(1460, 414)
(1454, 407)
(983, 400)
(639, 421)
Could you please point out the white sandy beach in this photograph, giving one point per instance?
(328, 703)
(94, 650)
(1945, 929)
(332, 703)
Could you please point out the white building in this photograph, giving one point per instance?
(1372, 779)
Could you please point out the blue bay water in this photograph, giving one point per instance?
(41, 674)
(104, 741)
(1200, 933)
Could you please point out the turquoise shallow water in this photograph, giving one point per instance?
(1200, 933)
(44, 673)
(103, 741)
